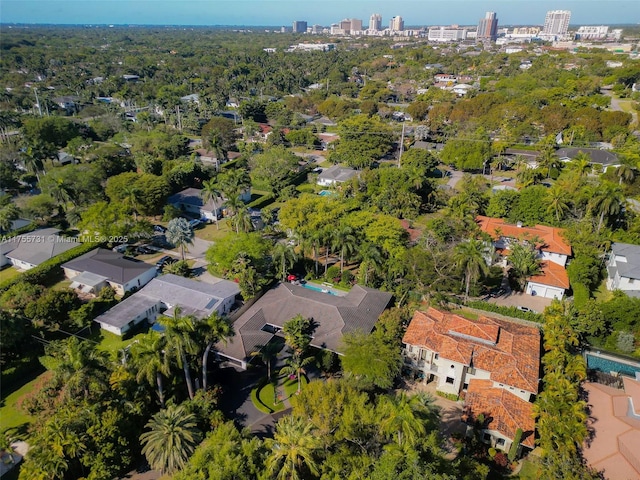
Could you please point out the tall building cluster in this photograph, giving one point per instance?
(488, 27)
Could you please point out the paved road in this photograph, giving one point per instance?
(615, 105)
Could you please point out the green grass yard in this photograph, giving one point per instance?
(10, 415)
(8, 273)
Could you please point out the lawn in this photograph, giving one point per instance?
(211, 233)
(263, 398)
(112, 343)
(10, 416)
(8, 273)
(291, 386)
(602, 294)
(530, 470)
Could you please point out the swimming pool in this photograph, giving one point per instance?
(326, 193)
(318, 289)
(608, 365)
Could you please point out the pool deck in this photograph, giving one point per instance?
(616, 433)
(326, 286)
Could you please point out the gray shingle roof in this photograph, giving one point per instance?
(337, 174)
(193, 196)
(333, 315)
(197, 298)
(37, 246)
(602, 157)
(109, 264)
(630, 268)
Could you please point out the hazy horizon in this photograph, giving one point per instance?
(277, 13)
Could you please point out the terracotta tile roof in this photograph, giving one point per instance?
(552, 274)
(504, 411)
(414, 233)
(509, 351)
(552, 238)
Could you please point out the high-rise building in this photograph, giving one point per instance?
(488, 27)
(396, 24)
(375, 22)
(556, 23)
(356, 25)
(299, 26)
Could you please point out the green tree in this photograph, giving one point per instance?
(371, 360)
(363, 140)
(606, 202)
(295, 366)
(407, 417)
(211, 192)
(179, 233)
(172, 438)
(267, 353)
(524, 262)
(181, 342)
(344, 241)
(471, 257)
(274, 168)
(297, 333)
(284, 257)
(151, 362)
(215, 328)
(8, 213)
(293, 450)
(222, 254)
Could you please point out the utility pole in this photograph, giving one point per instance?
(401, 145)
(35, 90)
(179, 120)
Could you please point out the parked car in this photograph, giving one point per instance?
(195, 222)
(144, 250)
(164, 261)
(120, 248)
(159, 229)
(524, 309)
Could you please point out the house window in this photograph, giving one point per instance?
(449, 380)
(500, 442)
(465, 386)
(486, 437)
(436, 356)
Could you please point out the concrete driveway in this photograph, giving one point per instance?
(519, 299)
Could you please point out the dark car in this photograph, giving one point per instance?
(164, 261)
(159, 229)
(144, 250)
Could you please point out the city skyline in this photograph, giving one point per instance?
(284, 12)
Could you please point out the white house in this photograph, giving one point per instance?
(553, 251)
(162, 295)
(190, 201)
(623, 269)
(31, 249)
(483, 359)
(335, 175)
(101, 267)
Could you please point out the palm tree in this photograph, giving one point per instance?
(267, 353)
(292, 449)
(211, 191)
(371, 257)
(625, 174)
(234, 182)
(606, 202)
(215, 328)
(471, 257)
(548, 160)
(295, 366)
(61, 193)
(581, 163)
(242, 220)
(179, 233)
(150, 361)
(524, 262)
(172, 439)
(405, 417)
(345, 241)
(131, 196)
(284, 257)
(557, 201)
(180, 342)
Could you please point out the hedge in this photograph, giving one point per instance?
(508, 311)
(513, 451)
(262, 201)
(40, 273)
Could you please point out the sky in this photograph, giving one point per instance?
(284, 12)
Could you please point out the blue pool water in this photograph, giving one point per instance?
(313, 287)
(325, 193)
(607, 365)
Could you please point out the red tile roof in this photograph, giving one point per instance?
(414, 233)
(509, 351)
(552, 274)
(504, 411)
(552, 238)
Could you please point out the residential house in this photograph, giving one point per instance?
(596, 156)
(99, 268)
(623, 269)
(553, 251)
(333, 316)
(335, 175)
(31, 249)
(494, 364)
(209, 158)
(190, 201)
(326, 139)
(163, 294)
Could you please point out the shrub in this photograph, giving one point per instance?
(501, 460)
(492, 452)
(625, 342)
(333, 273)
(513, 451)
(508, 311)
(448, 396)
(347, 278)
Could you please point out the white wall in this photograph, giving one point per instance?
(138, 282)
(21, 265)
(544, 291)
(558, 258)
